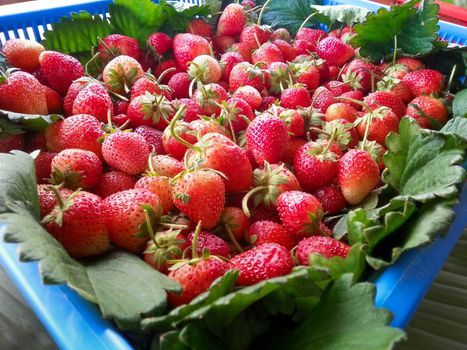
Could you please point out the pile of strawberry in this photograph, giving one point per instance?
(229, 155)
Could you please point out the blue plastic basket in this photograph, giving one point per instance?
(76, 324)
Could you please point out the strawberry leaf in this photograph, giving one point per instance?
(444, 59)
(459, 106)
(7, 128)
(179, 14)
(346, 14)
(77, 33)
(35, 122)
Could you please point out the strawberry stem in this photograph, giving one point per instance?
(361, 103)
(58, 195)
(174, 133)
(394, 54)
(260, 16)
(367, 130)
(233, 239)
(147, 218)
(164, 73)
(307, 19)
(248, 196)
(330, 141)
(451, 78)
(194, 242)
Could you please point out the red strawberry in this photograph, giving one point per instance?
(424, 82)
(331, 199)
(388, 99)
(294, 97)
(210, 242)
(266, 103)
(244, 49)
(114, 45)
(236, 114)
(192, 111)
(71, 94)
(411, 63)
(246, 74)
(209, 97)
(126, 151)
(358, 175)
(302, 47)
(93, 100)
(322, 98)
(43, 166)
(294, 121)
(355, 95)
(78, 223)
(250, 95)
(164, 71)
(125, 217)
(325, 246)
(221, 43)
(172, 145)
(54, 100)
(188, 46)
(306, 73)
(199, 27)
(153, 110)
(288, 51)
(200, 195)
(228, 61)
(23, 54)
(166, 165)
(48, 199)
(59, 70)
(153, 138)
(53, 142)
(300, 212)
(382, 121)
(270, 232)
(255, 35)
(20, 92)
(180, 84)
(9, 143)
(235, 220)
(340, 110)
(311, 36)
(337, 87)
(77, 168)
(427, 110)
(267, 53)
(266, 138)
(232, 20)
(334, 51)
(159, 185)
(149, 84)
(358, 74)
(121, 73)
(397, 87)
(263, 262)
(112, 182)
(203, 127)
(293, 144)
(159, 43)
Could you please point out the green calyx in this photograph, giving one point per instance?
(343, 136)
(67, 178)
(156, 107)
(56, 215)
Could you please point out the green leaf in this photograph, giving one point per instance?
(444, 59)
(7, 128)
(198, 338)
(289, 14)
(346, 14)
(77, 33)
(35, 122)
(345, 318)
(459, 104)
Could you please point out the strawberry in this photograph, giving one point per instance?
(126, 151)
(337, 87)
(325, 246)
(412, 64)
(246, 74)
(322, 98)
(232, 20)
(311, 36)
(76, 168)
(267, 53)
(300, 212)
(244, 49)
(172, 145)
(114, 45)
(71, 94)
(255, 35)
(166, 165)
(59, 70)
(382, 121)
(203, 127)
(302, 47)
(153, 110)
(428, 111)
(306, 73)
(283, 34)
(159, 43)
(188, 46)
(221, 43)
(149, 84)
(200, 195)
(153, 138)
(263, 262)
(262, 232)
(180, 85)
(23, 54)
(11, 142)
(199, 27)
(334, 51)
(358, 175)
(331, 199)
(424, 82)
(294, 97)
(159, 185)
(112, 182)
(53, 99)
(397, 87)
(333, 72)
(288, 51)
(48, 199)
(358, 75)
(125, 214)
(279, 77)
(266, 138)
(228, 61)
(211, 243)
(354, 95)
(294, 121)
(346, 133)
(293, 144)
(20, 92)
(53, 141)
(209, 96)
(236, 114)
(204, 68)
(93, 100)
(388, 99)
(266, 103)
(78, 223)
(166, 69)
(235, 221)
(121, 73)
(43, 166)
(340, 110)
(250, 95)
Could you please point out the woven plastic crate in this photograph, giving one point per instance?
(76, 324)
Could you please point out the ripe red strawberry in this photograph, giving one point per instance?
(306, 73)
(382, 98)
(79, 131)
(173, 146)
(228, 61)
(21, 92)
(159, 185)
(53, 142)
(422, 108)
(244, 49)
(126, 151)
(125, 216)
(112, 182)
(331, 199)
(300, 212)
(53, 99)
(42, 164)
(23, 54)
(334, 51)
(382, 121)
(283, 34)
(78, 223)
(209, 96)
(355, 95)
(149, 84)
(270, 232)
(195, 278)
(293, 144)
(397, 87)
(295, 96)
(153, 110)
(199, 27)
(166, 165)
(279, 75)
(192, 111)
(294, 120)
(311, 36)
(246, 74)
(153, 138)
(76, 168)
(302, 47)
(411, 63)
(221, 43)
(288, 51)
(263, 262)
(236, 114)
(159, 43)
(59, 70)
(358, 175)
(188, 46)
(180, 84)
(255, 35)
(200, 195)
(325, 246)
(341, 110)
(203, 127)
(232, 20)
(163, 68)
(267, 53)
(424, 82)
(266, 138)
(48, 199)
(250, 95)
(114, 45)
(235, 220)
(358, 75)
(322, 98)
(266, 103)
(71, 94)
(210, 242)
(337, 87)
(120, 74)
(93, 100)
